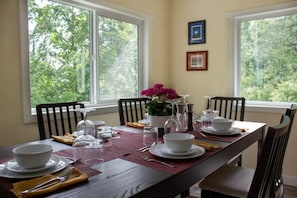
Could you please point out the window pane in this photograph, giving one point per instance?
(268, 59)
(59, 43)
(118, 59)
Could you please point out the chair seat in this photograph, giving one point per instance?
(238, 182)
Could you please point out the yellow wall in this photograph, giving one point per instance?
(168, 47)
(216, 81)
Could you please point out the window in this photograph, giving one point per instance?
(265, 50)
(81, 52)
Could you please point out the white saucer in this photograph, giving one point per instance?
(59, 164)
(158, 150)
(211, 130)
(13, 166)
(193, 150)
(144, 121)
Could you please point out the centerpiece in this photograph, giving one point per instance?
(159, 109)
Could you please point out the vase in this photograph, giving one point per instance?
(158, 121)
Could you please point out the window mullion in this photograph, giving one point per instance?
(94, 57)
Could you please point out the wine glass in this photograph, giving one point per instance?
(85, 126)
(86, 146)
(172, 124)
(182, 116)
(184, 97)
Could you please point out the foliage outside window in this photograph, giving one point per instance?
(266, 54)
(77, 53)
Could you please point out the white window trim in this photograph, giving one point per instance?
(29, 117)
(235, 18)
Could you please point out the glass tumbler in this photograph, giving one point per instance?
(150, 135)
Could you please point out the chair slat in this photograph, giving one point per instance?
(57, 118)
(131, 109)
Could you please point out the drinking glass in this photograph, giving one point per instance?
(184, 97)
(150, 135)
(172, 124)
(86, 145)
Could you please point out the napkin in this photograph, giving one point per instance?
(66, 139)
(75, 177)
(135, 125)
(208, 146)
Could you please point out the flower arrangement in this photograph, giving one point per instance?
(159, 106)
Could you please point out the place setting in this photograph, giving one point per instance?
(221, 126)
(39, 170)
(177, 146)
(32, 161)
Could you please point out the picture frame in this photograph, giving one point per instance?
(197, 61)
(196, 32)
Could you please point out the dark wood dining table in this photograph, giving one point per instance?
(125, 174)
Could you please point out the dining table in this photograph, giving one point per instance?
(125, 173)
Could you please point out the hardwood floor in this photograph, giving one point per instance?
(290, 191)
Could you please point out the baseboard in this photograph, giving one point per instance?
(290, 181)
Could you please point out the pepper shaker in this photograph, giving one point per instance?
(190, 117)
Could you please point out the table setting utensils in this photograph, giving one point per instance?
(146, 147)
(58, 179)
(147, 158)
(72, 160)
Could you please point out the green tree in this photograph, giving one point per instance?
(59, 41)
(268, 59)
(60, 54)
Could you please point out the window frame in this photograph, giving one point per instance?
(105, 9)
(235, 19)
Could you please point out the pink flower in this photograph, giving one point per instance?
(159, 90)
(159, 105)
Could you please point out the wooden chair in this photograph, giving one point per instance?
(235, 181)
(228, 107)
(132, 109)
(58, 118)
(279, 185)
(231, 108)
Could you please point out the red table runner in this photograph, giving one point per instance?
(126, 147)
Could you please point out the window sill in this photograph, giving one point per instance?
(265, 107)
(99, 111)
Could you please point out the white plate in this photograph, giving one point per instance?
(13, 166)
(145, 122)
(193, 150)
(60, 163)
(211, 130)
(158, 150)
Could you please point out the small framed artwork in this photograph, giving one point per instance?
(196, 31)
(197, 60)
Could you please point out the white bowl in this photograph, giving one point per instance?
(178, 142)
(222, 124)
(32, 155)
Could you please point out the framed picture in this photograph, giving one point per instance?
(197, 60)
(196, 31)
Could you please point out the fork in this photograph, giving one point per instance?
(61, 178)
(147, 158)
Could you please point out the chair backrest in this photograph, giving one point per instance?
(271, 157)
(58, 118)
(290, 112)
(132, 109)
(228, 107)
